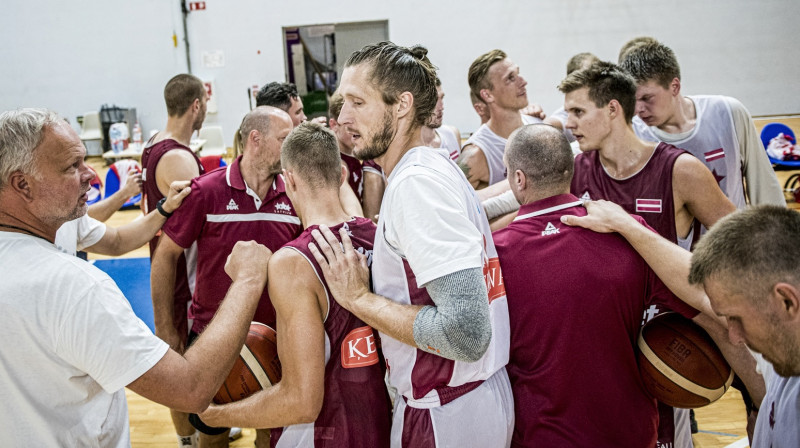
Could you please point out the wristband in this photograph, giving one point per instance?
(161, 210)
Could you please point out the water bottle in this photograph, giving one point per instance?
(115, 135)
(137, 136)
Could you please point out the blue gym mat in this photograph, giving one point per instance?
(133, 278)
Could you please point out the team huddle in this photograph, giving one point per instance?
(425, 292)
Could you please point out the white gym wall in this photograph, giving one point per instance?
(75, 56)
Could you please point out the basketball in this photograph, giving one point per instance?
(257, 367)
(680, 364)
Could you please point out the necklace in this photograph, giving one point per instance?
(8, 226)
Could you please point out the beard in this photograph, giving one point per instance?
(379, 142)
(435, 122)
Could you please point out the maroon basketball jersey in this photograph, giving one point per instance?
(356, 410)
(575, 301)
(647, 193)
(150, 158)
(354, 174)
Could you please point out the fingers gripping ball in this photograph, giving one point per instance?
(257, 367)
(680, 364)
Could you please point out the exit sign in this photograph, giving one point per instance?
(197, 6)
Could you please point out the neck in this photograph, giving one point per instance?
(504, 121)
(29, 225)
(429, 137)
(404, 140)
(320, 206)
(256, 176)
(623, 153)
(532, 195)
(179, 129)
(683, 119)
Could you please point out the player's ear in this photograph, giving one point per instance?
(342, 174)
(614, 109)
(789, 298)
(675, 86)
(288, 179)
(405, 104)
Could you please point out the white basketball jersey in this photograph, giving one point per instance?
(493, 147)
(426, 379)
(712, 140)
(449, 141)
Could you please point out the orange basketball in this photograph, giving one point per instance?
(257, 368)
(680, 364)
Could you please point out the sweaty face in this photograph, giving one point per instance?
(588, 123)
(438, 111)
(757, 323)
(296, 111)
(61, 184)
(508, 86)
(365, 115)
(654, 103)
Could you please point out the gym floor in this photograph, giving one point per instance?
(721, 424)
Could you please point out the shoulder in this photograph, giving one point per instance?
(689, 169)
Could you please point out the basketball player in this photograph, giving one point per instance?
(444, 334)
(355, 173)
(558, 119)
(716, 129)
(633, 43)
(748, 265)
(72, 341)
(670, 188)
(167, 158)
(496, 80)
(437, 135)
(282, 95)
(599, 337)
(246, 200)
(335, 397)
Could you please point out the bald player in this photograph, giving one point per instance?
(496, 80)
(245, 200)
(552, 403)
(332, 390)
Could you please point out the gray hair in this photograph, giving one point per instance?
(543, 154)
(21, 131)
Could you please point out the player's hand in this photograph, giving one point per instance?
(178, 190)
(344, 269)
(602, 217)
(248, 261)
(534, 110)
(321, 121)
(133, 185)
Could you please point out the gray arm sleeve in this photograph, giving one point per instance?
(458, 326)
(500, 205)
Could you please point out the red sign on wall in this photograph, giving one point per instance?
(197, 6)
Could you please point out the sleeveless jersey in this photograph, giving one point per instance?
(185, 270)
(355, 174)
(493, 147)
(712, 140)
(423, 378)
(449, 141)
(356, 410)
(647, 193)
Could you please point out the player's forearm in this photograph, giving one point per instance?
(387, 316)
(137, 233)
(738, 356)
(668, 260)
(162, 289)
(103, 210)
(213, 353)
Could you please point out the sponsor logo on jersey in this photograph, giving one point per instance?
(232, 205)
(283, 207)
(586, 197)
(716, 154)
(648, 205)
(650, 313)
(359, 348)
(494, 279)
(550, 229)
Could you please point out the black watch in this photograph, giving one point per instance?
(161, 210)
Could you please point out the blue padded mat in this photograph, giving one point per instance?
(133, 278)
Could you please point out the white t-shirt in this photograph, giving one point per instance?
(431, 225)
(79, 234)
(777, 425)
(71, 343)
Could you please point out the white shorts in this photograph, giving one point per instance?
(483, 417)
